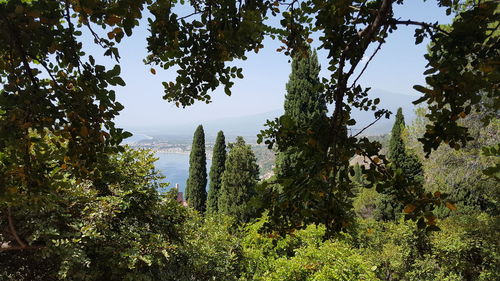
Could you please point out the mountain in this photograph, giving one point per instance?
(249, 126)
(388, 100)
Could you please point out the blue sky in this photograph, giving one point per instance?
(396, 68)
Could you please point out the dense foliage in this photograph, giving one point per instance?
(75, 233)
(388, 205)
(465, 249)
(49, 83)
(302, 256)
(196, 185)
(305, 109)
(461, 173)
(216, 171)
(304, 105)
(239, 179)
(77, 205)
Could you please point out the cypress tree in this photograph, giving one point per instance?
(238, 181)
(196, 194)
(216, 171)
(388, 207)
(397, 151)
(305, 104)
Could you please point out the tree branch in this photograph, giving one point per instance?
(14, 33)
(190, 15)
(4, 247)
(97, 38)
(368, 126)
(364, 38)
(367, 63)
(12, 229)
(418, 23)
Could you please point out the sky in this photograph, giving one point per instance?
(395, 69)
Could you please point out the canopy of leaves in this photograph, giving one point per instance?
(71, 231)
(59, 145)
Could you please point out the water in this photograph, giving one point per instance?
(175, 167)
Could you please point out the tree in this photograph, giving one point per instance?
(216, 171)
(238, 181)
(196, 185)
(51, 87)
(302, 153)
(130, 233)
(388, 205)
(397, 150)
(305, 105)
(460, 173)
(398, 153)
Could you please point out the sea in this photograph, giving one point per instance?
(175, 168)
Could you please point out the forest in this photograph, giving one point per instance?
(76, 203)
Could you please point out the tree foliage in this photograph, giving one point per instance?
(196, 185)
(349, 28)
(302, 256)
(304, 104)
(460, 172)
(64, 199)
(75, 233)
(240, 176)
(212, 250)
(388, 205)
(465, 249)
(461, 74)
(216, 172)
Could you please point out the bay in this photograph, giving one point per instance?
(175, 167)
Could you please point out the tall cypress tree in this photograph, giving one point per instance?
(409, 163)
(305, 104)
(397, 151)
(196, 194)
(388, 207)
(238, 181)
(216, 171)
(305, 100)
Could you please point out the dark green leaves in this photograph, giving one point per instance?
(196, 193)
(200, 47)
(460, 74)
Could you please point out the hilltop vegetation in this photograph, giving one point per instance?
(76, 204)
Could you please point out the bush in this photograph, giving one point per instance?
(128, 232)
(466, 248)
(213, 250)
(391, 246)
(332, 260)
(302, 255)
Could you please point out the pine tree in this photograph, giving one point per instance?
(238, 181)
(196, 194)
(388, 207)
(216, 171)
(305, 104)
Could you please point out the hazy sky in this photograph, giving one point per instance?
(396, 68)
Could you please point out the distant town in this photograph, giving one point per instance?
(182, 145)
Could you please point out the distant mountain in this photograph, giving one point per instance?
(249, 126)
(390, 101)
